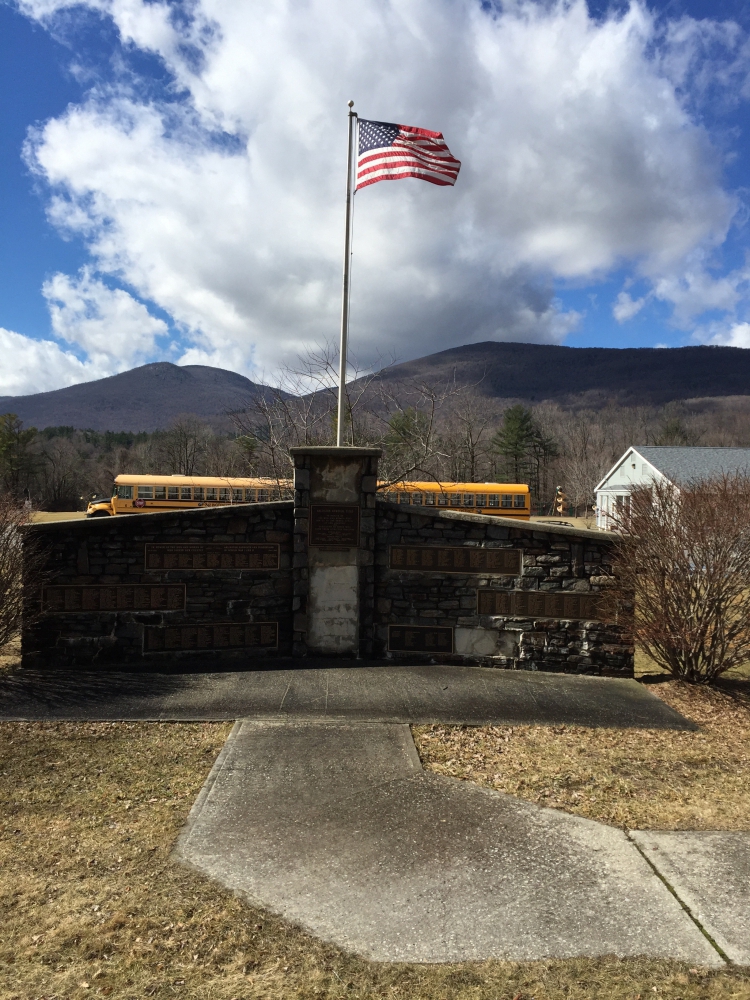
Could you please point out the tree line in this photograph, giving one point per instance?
(444, 433)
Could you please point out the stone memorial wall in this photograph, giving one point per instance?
(335, 573)
(203, 587)
(504, 593)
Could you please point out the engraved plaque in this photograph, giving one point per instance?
(200, 556)
(212, 635)
(456, 559)
(539, 604)
(420, 639)
(120, 597)
(334, 524)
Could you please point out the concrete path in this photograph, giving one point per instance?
(710, 872)
(336, 826)
(415, 694)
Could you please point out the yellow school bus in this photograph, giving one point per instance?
(143, 494)
(502, 499)
(146, 494)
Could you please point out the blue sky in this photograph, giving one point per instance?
(171, 179)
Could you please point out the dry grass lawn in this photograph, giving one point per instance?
(640, 779)
(92, 905)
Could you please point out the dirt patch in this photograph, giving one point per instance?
(633, 778)
(93, 906)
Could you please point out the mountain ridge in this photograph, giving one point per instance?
(152, 396)
(146, 398)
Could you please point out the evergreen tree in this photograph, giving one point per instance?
(18, 459)
(407, 441)
(514, 441)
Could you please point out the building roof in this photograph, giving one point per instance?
(684, 465)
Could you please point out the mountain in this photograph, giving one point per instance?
(152, 396)
(532, 373)
(144, 399)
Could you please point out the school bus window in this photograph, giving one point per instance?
(160, 492)
(173, 493)
(481, 499)
(443, 500)
(236, 496)
(403, 498)
(124, 492)
(494, 500)
(262, 496)
(519, 500)
(224, 494)
(186, 492)
(507, 500)
(210, 493)
(250, 496)
(198, 493)
(145, 493)
(455, 499)
(416, 499)
(429, 499)
(468, 499)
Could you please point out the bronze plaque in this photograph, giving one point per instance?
(540, 604)
(334, 524)
(456, 559)
(200, 556)
(212, 635)
(120, 597)
(420, 639)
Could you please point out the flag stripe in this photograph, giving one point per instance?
(392, 152)
(397, 152)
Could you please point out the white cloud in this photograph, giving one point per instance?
(39, 365)
(626, 308)
(734, 335)
(579, 154)
(695, 290)
(114, 329)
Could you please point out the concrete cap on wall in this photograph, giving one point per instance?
(329, 451)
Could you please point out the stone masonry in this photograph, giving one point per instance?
(336, 572)
(104, 605)
(553, 560)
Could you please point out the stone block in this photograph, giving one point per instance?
(301, 479)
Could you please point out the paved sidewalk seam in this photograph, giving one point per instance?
(719, 950)
(197, 807)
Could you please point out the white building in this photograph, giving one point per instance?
(640, 466)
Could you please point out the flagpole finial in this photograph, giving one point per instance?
(351, 104)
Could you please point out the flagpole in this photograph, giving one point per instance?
(345, 295)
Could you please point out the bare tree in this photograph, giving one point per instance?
(685, 555)
(184, 445)
(61, 476)
(466, 426)
(21, 567)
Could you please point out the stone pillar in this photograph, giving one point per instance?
(334, 550)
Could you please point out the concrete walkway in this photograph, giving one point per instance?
(337, 827)
(710, 872)
(415, 694)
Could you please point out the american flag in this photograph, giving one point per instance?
(388, 152)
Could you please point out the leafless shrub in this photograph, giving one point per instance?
(685, 554)
(21, 566)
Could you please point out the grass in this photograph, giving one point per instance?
(93, 906)
(634, 778)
